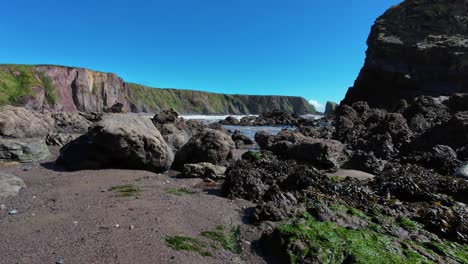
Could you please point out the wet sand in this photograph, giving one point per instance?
(72, 216)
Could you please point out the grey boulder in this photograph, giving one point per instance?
(23, 150)
(119, 141)
(206, 146)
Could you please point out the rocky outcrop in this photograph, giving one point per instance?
(322, 153)
(119, 141)
(206, 146)
(71, 89)
(23, 150)
(18, 122)
(176, 131)
(241, 139)
(330, 108)
(418, 47)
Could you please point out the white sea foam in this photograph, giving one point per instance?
(212, 118)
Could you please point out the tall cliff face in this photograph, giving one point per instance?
(419, 47)
(75, 89)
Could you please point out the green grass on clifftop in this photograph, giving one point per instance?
(146, 99)
(16, 82)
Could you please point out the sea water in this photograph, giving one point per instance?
(249, 131)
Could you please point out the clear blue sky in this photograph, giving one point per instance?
(307, 48)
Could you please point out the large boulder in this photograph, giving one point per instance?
(24, 150)
(18, 122)
(415, 48)
(175, 130)
(10, 185)
(119, 141)
(207, 146)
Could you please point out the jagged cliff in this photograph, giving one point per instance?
(419, 47)
(72, 89)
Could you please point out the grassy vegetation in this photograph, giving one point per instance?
(180, 191)
(186, 101)
(227, 237)
(253, 155)
(16, 82)
(222, 237)
(126, 190)
(407, 223)
(349, 210)
(188, 244)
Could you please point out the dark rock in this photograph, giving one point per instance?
(415, 48)
(119, 141)
(115, 108)
(166, 117)
(323, 153)
(207, 146)
(230, 121)
(238, 136)
(330, 108)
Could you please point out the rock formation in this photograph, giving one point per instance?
(419, 47)
(206, 146)
(119, 141)
(330, 108)
(76, 89)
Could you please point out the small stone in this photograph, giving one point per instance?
(75, 222)
(117, 226)
(131, 227)
(58, 260)
(12, 212)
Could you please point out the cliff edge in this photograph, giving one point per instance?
(71, 89)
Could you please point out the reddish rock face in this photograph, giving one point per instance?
(419, 47)
(84, 90)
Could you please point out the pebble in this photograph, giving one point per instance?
(75, 222)
(58, 260)
(117, 226)
(131, 227)
(12, 212)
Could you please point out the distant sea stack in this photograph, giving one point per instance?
(330, 108)
(70, 89)
(419, 47)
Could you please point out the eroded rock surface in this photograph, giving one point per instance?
(119, 141)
